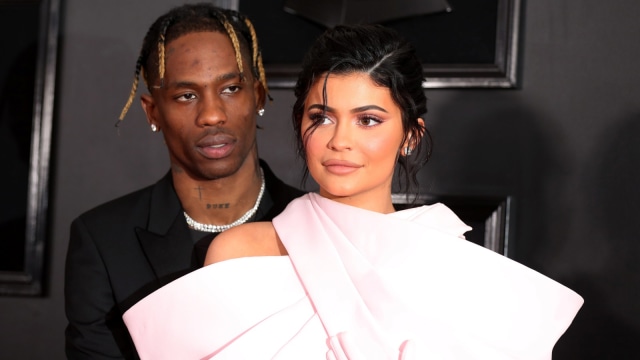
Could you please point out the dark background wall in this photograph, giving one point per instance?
(562, 144)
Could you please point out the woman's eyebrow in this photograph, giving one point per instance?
(353, 111)
(368, 107)
(321, 107)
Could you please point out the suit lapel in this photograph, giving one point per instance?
(166, 240)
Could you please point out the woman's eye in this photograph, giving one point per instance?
(320, 118)
(368, 121)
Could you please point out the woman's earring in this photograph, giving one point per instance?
(261, 112)
(407, 151)
(154, 128)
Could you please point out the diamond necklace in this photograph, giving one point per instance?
(220, 228)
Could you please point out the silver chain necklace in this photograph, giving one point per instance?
(220, 228)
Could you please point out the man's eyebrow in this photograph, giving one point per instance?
(229, 76)
(189, 83)
(181, 84)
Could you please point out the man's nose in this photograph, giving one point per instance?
(212, 112)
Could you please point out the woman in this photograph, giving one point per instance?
(340, 274)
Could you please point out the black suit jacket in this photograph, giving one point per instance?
(123, 250)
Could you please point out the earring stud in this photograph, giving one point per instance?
(154, 128)
(261, 112)
(407, 151)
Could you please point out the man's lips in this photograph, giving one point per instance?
(340, 167)
(215, 146)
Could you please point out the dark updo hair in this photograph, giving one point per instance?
(390, 61)
(191, 18)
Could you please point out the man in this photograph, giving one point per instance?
(206, 85)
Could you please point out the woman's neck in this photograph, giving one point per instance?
(378, 201)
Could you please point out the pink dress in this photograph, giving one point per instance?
(358, 285)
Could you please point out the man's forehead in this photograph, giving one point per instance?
(208, 53)
(201, 39)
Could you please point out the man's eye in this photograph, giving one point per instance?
(231, 89)
(187, 97)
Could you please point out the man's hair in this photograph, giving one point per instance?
(191, 18)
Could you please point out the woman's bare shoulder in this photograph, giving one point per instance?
(251, 239)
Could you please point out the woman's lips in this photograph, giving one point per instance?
(341, 167)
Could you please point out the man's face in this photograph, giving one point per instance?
(206, 113)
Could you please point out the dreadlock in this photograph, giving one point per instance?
(188, 19)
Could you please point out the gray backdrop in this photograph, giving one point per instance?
(562, 145)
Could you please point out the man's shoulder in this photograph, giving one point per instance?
(115, 213)
(120, 203)
(125, 207)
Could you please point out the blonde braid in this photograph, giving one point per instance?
(236, 44)
(257, 57)
(134, 89)
(161, 48)
(132, 94)
(254, 42)
(161, 60)
(263, 76)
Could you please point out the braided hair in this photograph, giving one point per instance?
(190, 18)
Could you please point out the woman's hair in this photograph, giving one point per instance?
(191, 18)
(390, 61)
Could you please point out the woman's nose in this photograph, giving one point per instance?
(341, 138)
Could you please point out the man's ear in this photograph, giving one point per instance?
(149, 107)
(259, 94)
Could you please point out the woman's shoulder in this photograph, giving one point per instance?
(251, 239)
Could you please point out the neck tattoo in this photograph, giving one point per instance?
(220, 228)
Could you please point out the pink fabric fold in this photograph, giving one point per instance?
(358, 285)
(389, 279)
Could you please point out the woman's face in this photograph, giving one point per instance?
(353, 152)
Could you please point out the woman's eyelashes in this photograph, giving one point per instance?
(319, 118)
(365, 120)
(368, 120)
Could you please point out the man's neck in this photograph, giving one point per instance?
(223, 200)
